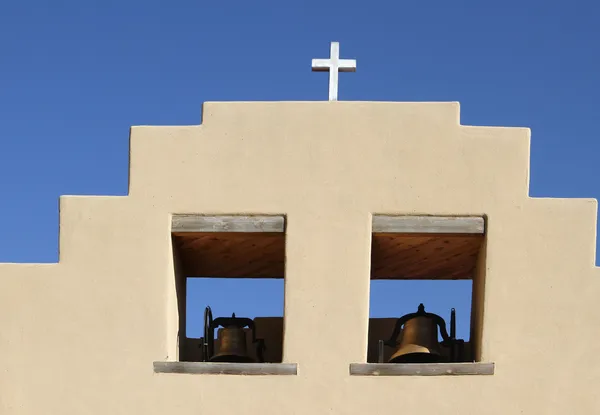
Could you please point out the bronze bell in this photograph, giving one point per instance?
(232, 337)
(233, 346)
(419, 338)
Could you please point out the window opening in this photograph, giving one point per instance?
(229, 273)
(427, 287)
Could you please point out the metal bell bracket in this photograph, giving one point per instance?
(207, 342)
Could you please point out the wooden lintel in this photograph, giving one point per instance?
(227, 223)
(428, 224)
(206, 368)
(421, 369)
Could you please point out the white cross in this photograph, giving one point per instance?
(334, 65)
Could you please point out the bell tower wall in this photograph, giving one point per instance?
(81, 336)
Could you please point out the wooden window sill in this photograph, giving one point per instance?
(421, 369)
(206, 368)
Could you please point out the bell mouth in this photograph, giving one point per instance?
(232, 359)
(417, 358)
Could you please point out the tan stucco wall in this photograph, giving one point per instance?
(80, 336)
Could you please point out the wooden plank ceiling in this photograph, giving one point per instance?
(393, 255)
(424, 256)
(231, 254)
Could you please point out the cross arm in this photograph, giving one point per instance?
(319, 65)
(347, 65)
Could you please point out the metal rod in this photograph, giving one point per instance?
(453, 324)
(380, 351)
(453, 352)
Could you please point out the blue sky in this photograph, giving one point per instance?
(68, 65)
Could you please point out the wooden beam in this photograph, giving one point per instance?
(206, 368)
(421, 369)
(428, 224)
(227, 223)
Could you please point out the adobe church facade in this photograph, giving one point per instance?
(100, 332)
